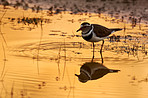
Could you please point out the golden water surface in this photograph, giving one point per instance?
(40, 61)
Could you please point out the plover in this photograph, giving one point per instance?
(95, 33)
(93, 71)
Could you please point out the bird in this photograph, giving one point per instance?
(93, 71)
(95, 33)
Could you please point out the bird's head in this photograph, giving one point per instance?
(84, 27)
(82, 77)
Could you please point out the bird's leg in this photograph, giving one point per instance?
(101, 50)
(93, 51)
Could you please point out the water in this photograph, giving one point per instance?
(48, 70)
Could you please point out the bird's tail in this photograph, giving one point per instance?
(116, 29)
(112, 70)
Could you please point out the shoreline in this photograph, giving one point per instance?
(113, 8)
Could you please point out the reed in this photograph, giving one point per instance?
(69, 93)
(3, 60)
(12, 90)
(0, 27)
(64, 60)
(74, 84)
(4, 88)
(4, 51)
(59, 57)
(38, 49)
(68, 77)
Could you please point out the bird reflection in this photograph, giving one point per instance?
(93, 71)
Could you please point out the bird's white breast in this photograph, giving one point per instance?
(95, 38)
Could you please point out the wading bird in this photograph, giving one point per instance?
(95, 33)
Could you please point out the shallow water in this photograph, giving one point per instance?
(42, 62)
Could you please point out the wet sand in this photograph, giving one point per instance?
(40, 61)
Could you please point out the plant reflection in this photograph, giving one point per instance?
(93, 71)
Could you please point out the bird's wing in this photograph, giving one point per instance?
(101, 31)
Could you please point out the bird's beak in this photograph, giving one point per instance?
(76, 75)
(79, 29)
